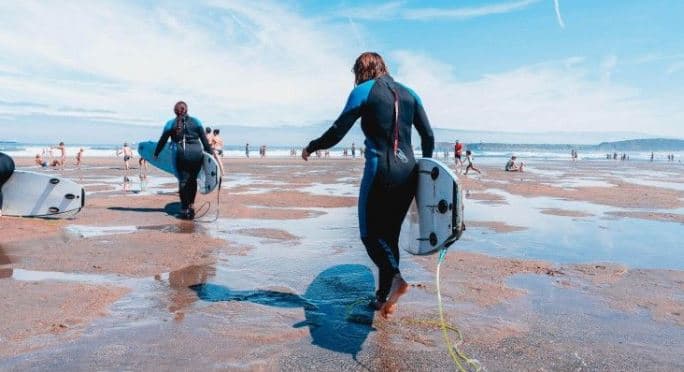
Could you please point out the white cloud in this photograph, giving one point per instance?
(235, 62)
(608, 66)
(398, 10)
(261, 63)
(675, 67)
(556, 6)
(552, 96)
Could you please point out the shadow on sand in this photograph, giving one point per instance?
(171, 209)
(335, 305)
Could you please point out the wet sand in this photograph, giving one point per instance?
(280, 280)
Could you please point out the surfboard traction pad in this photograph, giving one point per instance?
(455, 206)
(54, 211)
(443, 206)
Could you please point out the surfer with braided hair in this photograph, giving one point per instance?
(188, 141)
(6, 170)
(388, 110)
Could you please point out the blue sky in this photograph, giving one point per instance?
(495, 65)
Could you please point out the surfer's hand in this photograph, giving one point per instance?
(305, 154)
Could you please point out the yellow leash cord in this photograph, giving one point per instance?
(458, 356)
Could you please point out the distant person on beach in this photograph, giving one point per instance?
(652, 156)
(62, 156)
(511, 165)
(469, 163)
(39, 160)
(6, 170)
(142, 165)
(353, 150)
(389, 179)
(217, 142)
(247, 149)
(210, 135)
(190, 141)
(79, 157)
(458, 152)
(127, 155)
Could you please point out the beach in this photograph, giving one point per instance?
(567, 266)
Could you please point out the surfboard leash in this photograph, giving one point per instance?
(218, 206)
(463, 362)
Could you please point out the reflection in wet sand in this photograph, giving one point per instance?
(180, 282)
(5, 268)
(185, 227)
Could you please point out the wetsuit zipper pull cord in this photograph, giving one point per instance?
(396, 122)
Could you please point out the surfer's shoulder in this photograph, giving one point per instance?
(169, 125)
(413, 93)
(359, 95)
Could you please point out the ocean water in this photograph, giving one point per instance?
(18, 149)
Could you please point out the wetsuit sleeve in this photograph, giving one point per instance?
(164, 138)
(203, 136)
(422, 124)
(351, 112)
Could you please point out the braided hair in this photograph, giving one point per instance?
(181, 111)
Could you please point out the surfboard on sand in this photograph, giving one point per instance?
(207, 179)
(31, 194)
(435, 219)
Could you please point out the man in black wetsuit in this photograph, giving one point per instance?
(6, 170)
(387, 110)
(188, 138)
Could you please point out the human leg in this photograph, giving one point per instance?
(189, 162)
(401, 199)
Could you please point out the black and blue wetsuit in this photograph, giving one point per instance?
(389, 178)
(189, 139)
(6, 170)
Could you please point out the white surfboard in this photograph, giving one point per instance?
(208, 177)
(31, 194)
(435, 219)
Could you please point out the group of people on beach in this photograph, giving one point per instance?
(58, 162)
(388, 112)
(262, 150)
(458, 159)
(615, 156)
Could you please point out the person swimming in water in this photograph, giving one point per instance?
(387, 110)
(6, 170)
(189, 139)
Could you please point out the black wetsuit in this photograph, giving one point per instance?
(389, 178)
(190, 140)
(6, 170)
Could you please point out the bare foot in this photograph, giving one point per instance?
(399, 288)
